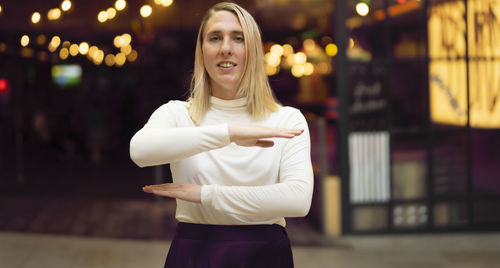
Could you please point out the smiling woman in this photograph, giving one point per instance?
(240, 162)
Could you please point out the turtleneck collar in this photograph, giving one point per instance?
(233, 105)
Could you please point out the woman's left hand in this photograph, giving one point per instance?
(186, 192)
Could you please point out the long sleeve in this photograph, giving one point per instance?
(290, 197)
(161, 141)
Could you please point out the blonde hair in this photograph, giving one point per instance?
(254, 84)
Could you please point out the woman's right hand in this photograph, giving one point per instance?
(258, 135)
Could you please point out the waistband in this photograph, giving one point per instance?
(262, 232)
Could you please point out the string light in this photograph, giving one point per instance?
(308, 68)
(54, 14)
(300, 58)
(35, 18)
(74, 49)
(63, 53)
(132, 56)
(120, 59)
(362, 9)
(111, 12)
(120, 5)
(164, 3)
(146, 11)
(102, 16)
(83, 48)
(55, 41)
(109, 60)
(66, 5)
(277, 50)
(25, 40)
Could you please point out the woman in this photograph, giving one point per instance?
(240, 162)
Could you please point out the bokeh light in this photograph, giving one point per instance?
(66, 5)
(362, 9)
(331, 49)
(120, 5)
(146, 11)
(35, 18)
(25, 40)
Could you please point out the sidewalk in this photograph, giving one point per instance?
(21, 250)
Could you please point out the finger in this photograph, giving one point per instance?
(264, 143)
(287, 133)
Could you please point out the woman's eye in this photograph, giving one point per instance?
(213, 38)
(239, 38)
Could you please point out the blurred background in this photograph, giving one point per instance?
(401, 97)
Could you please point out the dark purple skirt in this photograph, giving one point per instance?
(202, 245)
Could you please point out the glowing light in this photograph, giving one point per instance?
(118, 41)
(362, 9)
(120, 5)
(35, 18)
(25, 40)
(0, 9)
(290, 60)
(308, 68)
(66, 5)
(331, 49)
(54, 14)
(120, 59)
(126, 49)
(166, 3)
(277, 50)
(127, 38)
(270, 70)
(111, 12)
(40, 39)
(109, 59)
(287, 50)
(55, 41)
(99, 55)
(93, 51)
(146, 11)
(83, 48)
(297, 70)
(300, 58)
(52, 48)
(102, 16)
(132, 56)
(309, 44)
(63, 53)
(272, 59)
(3, 47)
(351, 43)
(73, 49)
(66, 44)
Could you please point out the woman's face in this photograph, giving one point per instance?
(224, 53)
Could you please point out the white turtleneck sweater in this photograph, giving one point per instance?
(241, 185)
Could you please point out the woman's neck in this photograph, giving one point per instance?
(225, 93)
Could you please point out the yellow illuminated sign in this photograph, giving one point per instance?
(447, 68)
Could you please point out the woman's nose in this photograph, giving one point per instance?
(226, 48)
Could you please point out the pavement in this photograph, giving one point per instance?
(27, 250)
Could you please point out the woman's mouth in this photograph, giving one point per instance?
(227, 64)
